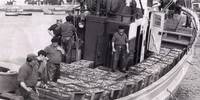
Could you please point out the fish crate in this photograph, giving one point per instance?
(154, 70)
(149, 61)
(170, 61)
(177, 52)
(100, 72)
(144, 77)
(115, 90)
(87, 74)
(137, 69)
(157, 70)
(157, 56)
(164, 51)
(67, 68)
(65, 80)
(75, 87)
(148, 77)
(105, 83)
(50, 94)
(176, 57)
(128, 87)
(174, 54)
(88, 85)
(92, 74)
(153, 59)
(131, 81)
(77, 96)
(163, 68)
(112, 76)
(84, 63)
(138, 82)
(94, 94)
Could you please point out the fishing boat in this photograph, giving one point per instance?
(59, 10)
(25, 13)
(159, 57)
(15, 11)
(55, 11)
(11, 12)
(8, 77)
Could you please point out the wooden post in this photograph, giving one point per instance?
(98, 7)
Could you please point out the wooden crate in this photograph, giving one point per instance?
(53, 95)
(148, 77)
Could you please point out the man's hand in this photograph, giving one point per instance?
(61, 49)
(28, 89)
(51, 33)
(114, 50)
(127, 51)
(38, 83)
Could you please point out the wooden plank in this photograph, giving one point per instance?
(176, 42)
(178, 33)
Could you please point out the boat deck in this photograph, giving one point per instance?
(80, 80)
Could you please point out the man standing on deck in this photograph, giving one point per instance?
(55, 30)
(54, 54)
(120, 49)
(67, 32)
(28, 78)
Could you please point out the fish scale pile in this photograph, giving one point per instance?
(80, 80)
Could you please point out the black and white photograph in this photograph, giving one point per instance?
(99, 50)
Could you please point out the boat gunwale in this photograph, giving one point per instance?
(187, 56)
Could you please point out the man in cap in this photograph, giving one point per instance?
(55, 30)
(28, 78)
(120, 49)
(67, 32)
(54, 55)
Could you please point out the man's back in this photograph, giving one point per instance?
(67, 29)
(54, 55)
(28, 74)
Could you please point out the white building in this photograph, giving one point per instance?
(18, 2)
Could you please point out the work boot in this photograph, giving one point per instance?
(123, 71)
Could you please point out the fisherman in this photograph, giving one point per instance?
(55, 30)
(54, 54)
(67, 31)
(28, 78)
(42, 60)
(120, 49)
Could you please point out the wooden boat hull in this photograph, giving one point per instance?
(55, 13)
(11, 14)
(58, 12)
(8, 80)
(165, 86)
(25, 14)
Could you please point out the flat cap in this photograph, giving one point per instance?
(32, 56)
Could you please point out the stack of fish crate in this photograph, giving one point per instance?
(79, 80)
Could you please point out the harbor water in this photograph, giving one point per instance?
(20, 35)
